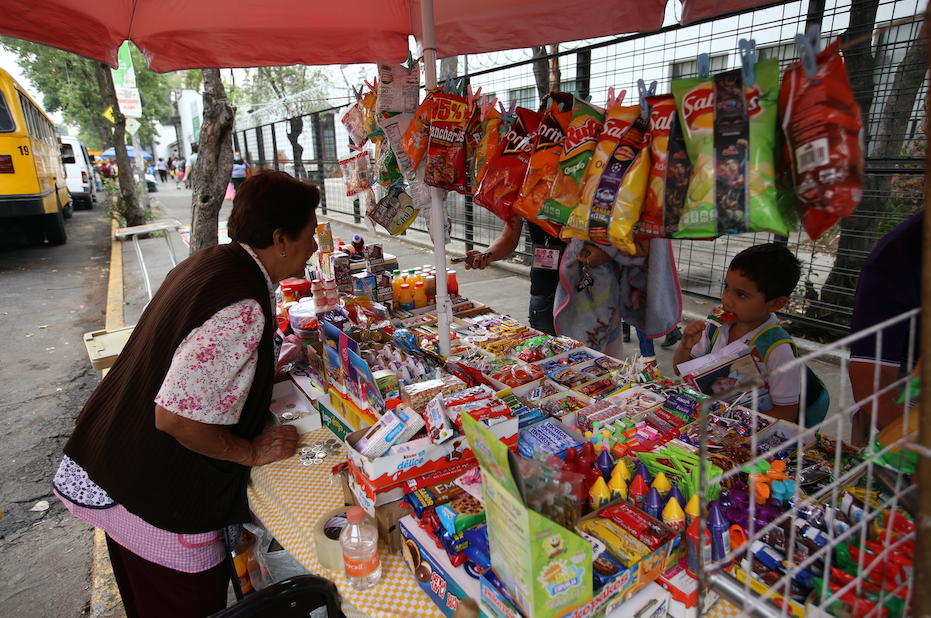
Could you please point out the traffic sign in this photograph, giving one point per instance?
(132, 125)
(108, 114)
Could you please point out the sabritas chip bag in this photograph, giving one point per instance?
(505, 171)
(730, 132)
(486, 145)
(578, 148)
(669, 173)
(417, 135)
(543, 168)
(446, 155)
(615, 182)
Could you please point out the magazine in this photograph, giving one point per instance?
(730, 378)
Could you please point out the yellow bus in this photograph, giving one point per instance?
(33, 190)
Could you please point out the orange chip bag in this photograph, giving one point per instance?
(446, 166)
(669, 173)
(504, 172)
(417, 135)
(543, 169)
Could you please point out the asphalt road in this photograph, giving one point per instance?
(49, 297)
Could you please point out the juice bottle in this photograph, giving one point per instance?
(407, 297)
(430, 289)
(396, 288)
(452, 286)
(420, 295)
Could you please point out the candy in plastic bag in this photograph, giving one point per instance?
(354, 121)
(357, 173)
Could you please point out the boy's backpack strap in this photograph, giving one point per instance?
(712, 334)
(769, 338)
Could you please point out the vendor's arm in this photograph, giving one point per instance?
(862, 375)
(690, 338)
(218, 442)
(789, 413)
(502, 247)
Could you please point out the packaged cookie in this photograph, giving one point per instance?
(463, 511)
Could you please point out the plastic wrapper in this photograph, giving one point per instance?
(386, 164)
(581, 139)
(504, 172)
(543, 169)
(369, 99)
(621, 545)
(729, 131)
(480, 410)
(357, 173)
(462, 512)
(427, 497)
(615, 183)
(395, 212)
(417, 134)
(486, 145)
(823, 130)
(670, 171)
(419, 394)
(438, 426)
(446, 154)
(398, 87)
(354, 121)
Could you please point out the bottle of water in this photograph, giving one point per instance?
(359, 541)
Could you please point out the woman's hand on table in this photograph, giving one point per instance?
(279, 442)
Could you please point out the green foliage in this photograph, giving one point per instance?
(68, 83)
(193, 79)
(116, 206)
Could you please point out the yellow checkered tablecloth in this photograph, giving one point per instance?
(289, 498)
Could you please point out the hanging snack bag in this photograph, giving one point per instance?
(446, 167)
(580, 143)
(357, 173)
(395, 212)
(417, 135)
(615, 183)
(369, 101)
(354, 121)
(543, 168)
(669, 172)
(486, 145)
(505, 171)
(398, 87)
(729, 131)
(823, 126)
(386, 167)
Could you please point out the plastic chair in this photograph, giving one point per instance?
(296, 597)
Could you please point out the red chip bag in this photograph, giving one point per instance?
(446, 154)
(505, 171)
(822, 126)
(417, 135)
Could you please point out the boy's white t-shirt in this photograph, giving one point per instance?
(784, 388)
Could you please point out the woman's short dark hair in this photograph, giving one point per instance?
(268, 201)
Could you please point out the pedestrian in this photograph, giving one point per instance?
(105, 170)
(162, 168)
(189, 168)
(240, 171)
(179, 169)
(161, 453)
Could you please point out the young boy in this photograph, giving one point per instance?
(758, 283)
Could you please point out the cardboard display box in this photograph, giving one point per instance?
(290, 406)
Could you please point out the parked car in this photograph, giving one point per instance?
(79, 172)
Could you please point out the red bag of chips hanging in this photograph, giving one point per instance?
(417, 135)
(822, 126)
(446, 153)
(505, 171)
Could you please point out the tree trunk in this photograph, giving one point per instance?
(555, 73)
(214, 162)
(130, 208)
(858, 233)
(541, 72)
(297, 127)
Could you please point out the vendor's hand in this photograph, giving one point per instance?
(477, 260)
(692, 334)
(593, 255)
(279, 442)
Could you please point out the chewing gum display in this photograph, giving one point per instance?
(600, 411)
(380, 436)
(670, 171)
(547, 437)
(638, 524)
(621, 545)
(505, 171)
(729, 131)
(615, 183)
(446, 155)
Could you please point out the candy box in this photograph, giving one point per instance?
(684, 590)
(363, 284)
(290, 406)
(339, 269)
(324, 238)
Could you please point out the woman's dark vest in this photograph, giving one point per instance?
(115, 439)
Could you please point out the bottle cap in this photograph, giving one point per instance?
(355, 515)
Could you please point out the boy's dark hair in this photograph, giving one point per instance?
(195, 147)
(772, 267)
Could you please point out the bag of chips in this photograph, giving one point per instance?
(822, 126)
(486, 145)
(417, 135)
(729, 131)
(357, 173)
(669, 173)
(446, 167)
(615, 182)
(398, 87)
(505, 171)
(544, 161)
(579, 146)
(369, 100)
(354, 121)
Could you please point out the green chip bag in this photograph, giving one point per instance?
(730, 132)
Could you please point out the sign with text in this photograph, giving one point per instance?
(130, 103)
(132, 125)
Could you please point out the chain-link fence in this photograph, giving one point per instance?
(886, 62)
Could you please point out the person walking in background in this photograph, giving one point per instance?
(240, 171)
(179, 172)
(162, 168)
(189, 168)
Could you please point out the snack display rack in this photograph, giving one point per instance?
(868, 534)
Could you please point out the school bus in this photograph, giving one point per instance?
(33, 189)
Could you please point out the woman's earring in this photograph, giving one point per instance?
(282, 254)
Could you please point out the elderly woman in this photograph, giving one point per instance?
(161, 453)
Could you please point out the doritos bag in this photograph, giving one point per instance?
(544, 161)
(446, 165)
(729, 132)
(822, 126)
(614, 184)
(581, 141)
(505, 171)
(670, 171)
(486, 145)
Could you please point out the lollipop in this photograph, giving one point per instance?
(720, 316)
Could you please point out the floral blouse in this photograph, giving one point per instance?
(208, 381)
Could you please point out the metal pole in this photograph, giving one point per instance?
(921, 605)
(444, 309)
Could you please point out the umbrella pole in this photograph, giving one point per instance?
(444, 307)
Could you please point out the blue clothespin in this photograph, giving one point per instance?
(747, 60)
(808, 45)
(704, 65)
(447, 87)
(643, 92)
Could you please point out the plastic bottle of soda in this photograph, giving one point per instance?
(359, 541)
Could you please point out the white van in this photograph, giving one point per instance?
(79, 172)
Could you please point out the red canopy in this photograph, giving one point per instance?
(183, 34)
